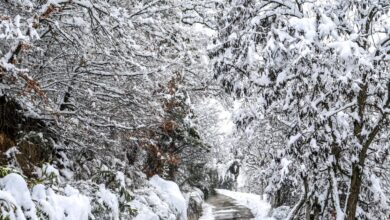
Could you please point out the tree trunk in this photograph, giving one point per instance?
(316, 210)
(354, 192)
(308, 210)
(295, 211)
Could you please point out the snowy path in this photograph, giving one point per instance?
(229, 205)
(224, 208)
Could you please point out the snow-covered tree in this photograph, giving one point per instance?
(322, 69)
(101, 76)
(91, 68)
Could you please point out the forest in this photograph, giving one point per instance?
(195, 109)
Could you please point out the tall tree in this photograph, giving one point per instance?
(321, 68)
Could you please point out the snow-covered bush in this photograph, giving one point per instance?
(22, 198)
(280, 213)
(159, 199)
(49, 196)
(18, 202)
(195, 200)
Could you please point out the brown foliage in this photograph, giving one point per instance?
(32, 151)
(162, 156)
(160, 162)
(4, 17)
(5, 144)
(169, 126)
(33, 86)
(31, 155)
(174, 82)
(48, 11)
(154, 164)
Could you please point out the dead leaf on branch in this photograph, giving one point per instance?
(33, 86)
(4, 18)
(169, 126)
(48, 11)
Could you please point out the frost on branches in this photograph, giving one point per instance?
(100, 85)
(321, 69)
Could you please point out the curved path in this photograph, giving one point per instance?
(225, 208)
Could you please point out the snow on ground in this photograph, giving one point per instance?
(207, 213)
(258, 207)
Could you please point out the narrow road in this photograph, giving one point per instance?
(225, 208)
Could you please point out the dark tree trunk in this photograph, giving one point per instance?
(354, 191)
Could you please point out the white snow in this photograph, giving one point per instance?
(144, 213)
(13, 185)
(327, 26)
(207, 213)
(71, 207)
(346, 49)
(225, 124)
(200, 28)
(48, 170)
(285, 163)
(379, 194)
(13, 151)
(259, 208)
(120, 177)
(171, 194)
(222, 170)
(110, 200)
(293, 139)
(162, 199)
(306, 25)
(14, 192)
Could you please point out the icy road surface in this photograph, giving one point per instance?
(224, 207)
(229, 205)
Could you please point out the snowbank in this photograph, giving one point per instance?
(258, 207)
(14, 191)
(19, 203)
(161, 200)
(171, 194)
